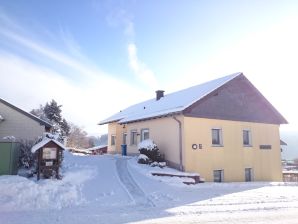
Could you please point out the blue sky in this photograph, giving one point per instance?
(98, 57)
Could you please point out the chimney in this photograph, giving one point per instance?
(159, 94)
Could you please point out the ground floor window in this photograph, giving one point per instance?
(113, 140)
(133, 137)
(218, 175)
(248, 174)
(144, 134)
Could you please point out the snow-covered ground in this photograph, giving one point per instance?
(115, 189)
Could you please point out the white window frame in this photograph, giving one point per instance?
(132, 133)
(143, 131)
(249, 138)
(219, 135)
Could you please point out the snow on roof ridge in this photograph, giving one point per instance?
(171, 103)
(44, 142)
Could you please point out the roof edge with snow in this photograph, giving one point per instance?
(42, 122)
(130, 115)
(44, 142)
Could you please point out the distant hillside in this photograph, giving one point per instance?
(291, 150)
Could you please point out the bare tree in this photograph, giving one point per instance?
(77, 137)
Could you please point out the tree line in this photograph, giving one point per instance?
(72, 134)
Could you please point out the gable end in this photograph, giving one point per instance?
(236, 100)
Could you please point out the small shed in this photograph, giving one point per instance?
(9, 157)
(49, 157)
(98, 150)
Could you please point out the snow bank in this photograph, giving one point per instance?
(20, 193)
(147, 144)
(147, 171)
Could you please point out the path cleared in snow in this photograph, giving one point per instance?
(135, 192)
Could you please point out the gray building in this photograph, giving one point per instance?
(19, 123)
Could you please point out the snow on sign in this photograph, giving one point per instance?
(49, 153)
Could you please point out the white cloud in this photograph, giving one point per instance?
(91, 97)
(139, 68)
(27, 85)
(121, 17)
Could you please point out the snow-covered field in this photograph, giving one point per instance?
(115, 189)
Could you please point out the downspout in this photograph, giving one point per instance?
(180, 144)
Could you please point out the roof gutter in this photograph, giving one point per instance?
(181, 168)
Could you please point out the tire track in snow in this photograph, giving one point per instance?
(131, 186)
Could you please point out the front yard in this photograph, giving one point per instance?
(115, 189)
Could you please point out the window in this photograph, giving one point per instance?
(133, 137)
(124, 138)
(113, 140)
(266, 147)
(218, 175)
(248, 174)
(247, 138)
(216, 137)
(144, 134)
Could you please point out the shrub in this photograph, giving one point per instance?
(150, 149)
(26, 159)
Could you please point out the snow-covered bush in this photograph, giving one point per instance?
(26, 158)
(150, 149)
(143, 159)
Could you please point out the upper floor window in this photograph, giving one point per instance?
(144, 134)
(247, 138)
(113, 139)
(216, 136)
(133, 137)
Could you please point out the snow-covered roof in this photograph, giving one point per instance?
(44, 142)
(169, 104)
(97, 147)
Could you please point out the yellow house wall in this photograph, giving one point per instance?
(163, 131)
(115, 129)
(233, 157)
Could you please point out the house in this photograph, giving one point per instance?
(19, 123)
(224, 129)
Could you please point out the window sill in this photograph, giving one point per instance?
(217, 145)
(247, 146)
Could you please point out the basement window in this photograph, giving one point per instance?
(218, 175)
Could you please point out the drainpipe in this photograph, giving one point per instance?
(180, 144)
